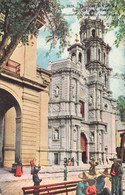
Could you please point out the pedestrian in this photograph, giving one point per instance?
(72, 161)
(92, 169)
(65, 161)
(116, 172)
(65, 172)
(19, 169)
(107, 160)
(0, 191)
(32, 163)
(82, 185)
(91, 188)
(69, 161)
(120, 170)
(100, 183)
(36, 179)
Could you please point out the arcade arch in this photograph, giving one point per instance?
(10, 128)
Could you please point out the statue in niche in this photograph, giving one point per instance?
(74, 134)
(91, 136)
(98, 101)
(56, 134)
(73, 91)
(56, 91)
(90, 100)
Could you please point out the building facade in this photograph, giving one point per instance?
(24, 89)
(81, 107)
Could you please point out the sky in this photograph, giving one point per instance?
(116, 56)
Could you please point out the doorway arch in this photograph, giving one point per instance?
(10, 128)
(84, 147)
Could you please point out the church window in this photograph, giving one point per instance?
(88, 55)
(99, 54)
(106, 106)
(93, 32)
(82, 109)
(104, 58)
(100, 74)
(105, 80)
(73, 57)
(56, 158)
(80, 57)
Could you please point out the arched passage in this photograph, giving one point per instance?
(10, 128)
(84, 148)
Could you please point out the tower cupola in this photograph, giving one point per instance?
(76, 51)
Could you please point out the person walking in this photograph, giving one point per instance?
(65, 172)
(36, 180)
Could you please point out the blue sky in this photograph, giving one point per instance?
(116, 57)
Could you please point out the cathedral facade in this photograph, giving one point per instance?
(81, 107)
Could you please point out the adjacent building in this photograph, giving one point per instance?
(24, 89)
(81, 108)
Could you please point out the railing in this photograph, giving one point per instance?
(53, 189)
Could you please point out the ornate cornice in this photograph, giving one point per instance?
(92, 41)
(65, 70)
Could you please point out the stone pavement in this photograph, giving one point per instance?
(12, 185)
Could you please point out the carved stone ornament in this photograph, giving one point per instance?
(56, 91)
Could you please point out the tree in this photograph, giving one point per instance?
(114, 12)
(19, 23)
(121, 106)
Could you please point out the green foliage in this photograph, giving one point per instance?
(121, 106)
(20, 21)
(114, 12)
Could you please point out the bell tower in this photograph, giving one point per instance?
(97, 51)
(76, 53)
(96, 62)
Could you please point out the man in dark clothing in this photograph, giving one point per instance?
(116, 173)
(100, 183)
(36, 179)
(120, 170)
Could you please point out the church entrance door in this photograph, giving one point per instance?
(84, 148)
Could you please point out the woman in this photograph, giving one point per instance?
(19, 170)
(32, 163)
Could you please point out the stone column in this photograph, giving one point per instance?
(88, 156)
(1, 140)
(9, 138)
(18, 138)
(79, 147)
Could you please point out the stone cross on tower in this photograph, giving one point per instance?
(76, 37)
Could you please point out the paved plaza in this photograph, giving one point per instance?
(12, 185)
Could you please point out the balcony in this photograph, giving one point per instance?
(13, 66)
